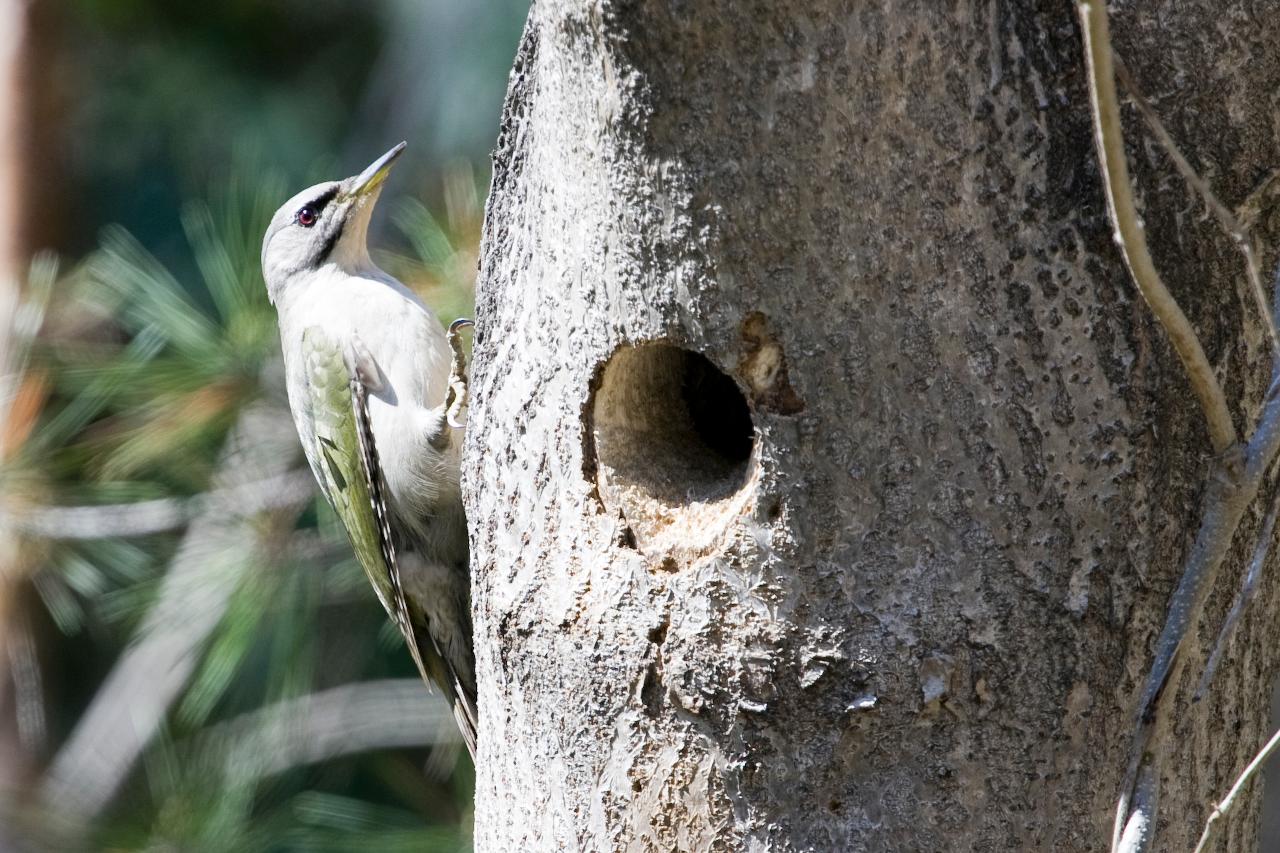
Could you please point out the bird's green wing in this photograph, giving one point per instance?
(345, 460)
(346, 465)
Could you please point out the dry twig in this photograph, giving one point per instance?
(1237, 471)
(1221, 809)
(1129, 231)
(1236, 230)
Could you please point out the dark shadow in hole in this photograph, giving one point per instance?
(719, 412)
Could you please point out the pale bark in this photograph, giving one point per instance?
(918, 617)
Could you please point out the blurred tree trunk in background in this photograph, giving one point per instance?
(16, 762)
(12, 30)
(914, 614)
(28, 201)
(30, 104)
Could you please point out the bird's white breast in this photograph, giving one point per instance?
(412, 353)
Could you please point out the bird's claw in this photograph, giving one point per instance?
(459, 387)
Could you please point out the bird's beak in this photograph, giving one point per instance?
(372, 177)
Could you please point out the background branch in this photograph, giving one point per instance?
(214, 554)
(144, 518)
(387, 714)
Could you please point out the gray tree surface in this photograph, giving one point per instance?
(827, 477)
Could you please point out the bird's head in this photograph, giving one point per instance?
(324, 224)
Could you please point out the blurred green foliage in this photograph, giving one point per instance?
(140, 408)
(166, 93)
(190, 124)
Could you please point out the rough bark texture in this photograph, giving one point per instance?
(916, 617)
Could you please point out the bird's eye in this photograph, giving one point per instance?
(306, 217)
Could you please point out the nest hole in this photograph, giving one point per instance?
(674, 439)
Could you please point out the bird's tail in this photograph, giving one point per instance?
(464, 712)
(438, 670)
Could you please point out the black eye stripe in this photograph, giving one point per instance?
(329, 243)
(318, 205)
(327, 196)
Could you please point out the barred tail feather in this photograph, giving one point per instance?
(426, 654)
(464, 712)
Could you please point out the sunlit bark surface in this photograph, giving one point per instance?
(826, 478)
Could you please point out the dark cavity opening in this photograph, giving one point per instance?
(670, 426)
(719, 412)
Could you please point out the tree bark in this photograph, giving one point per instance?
(910, 604)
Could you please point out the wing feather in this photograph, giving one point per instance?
(352, 480)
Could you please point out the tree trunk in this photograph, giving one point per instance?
(827, 479)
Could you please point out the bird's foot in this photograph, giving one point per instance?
(459, 387)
